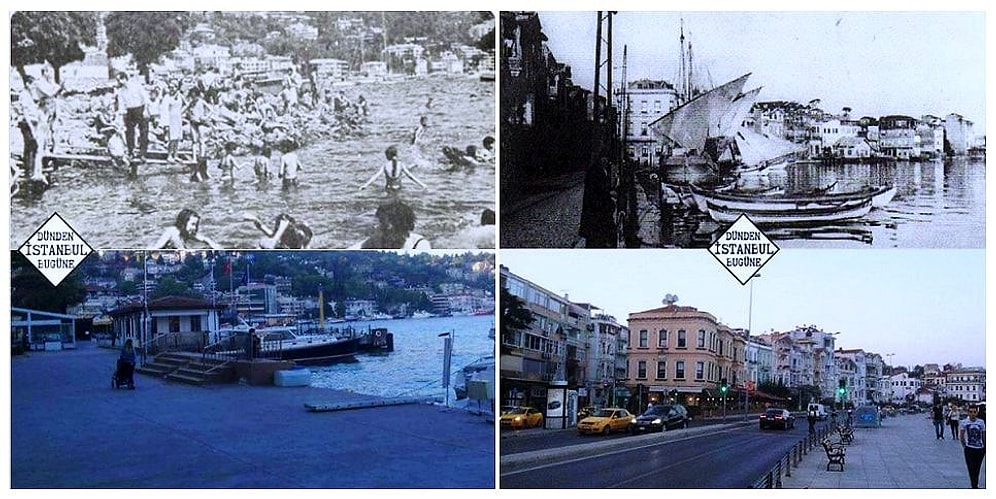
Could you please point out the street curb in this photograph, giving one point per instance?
(513, 462)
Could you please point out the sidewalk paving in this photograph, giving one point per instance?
(70, 429)
(902, 454)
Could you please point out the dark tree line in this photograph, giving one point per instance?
(58, 37)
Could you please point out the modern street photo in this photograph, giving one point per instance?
(659, 129)
(262, 369)
(656, 369)
(244, 130)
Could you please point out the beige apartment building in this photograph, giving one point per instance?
(682, 354)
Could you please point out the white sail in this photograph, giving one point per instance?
(690, 124)
(731, 121)
(757, 150)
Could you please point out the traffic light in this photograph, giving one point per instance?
(723, 386)
(841, 387)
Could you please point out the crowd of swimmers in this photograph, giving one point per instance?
(233, 124)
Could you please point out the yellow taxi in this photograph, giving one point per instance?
(605, 421)
(520, 417)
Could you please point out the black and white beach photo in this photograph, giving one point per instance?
(659, 129)
(283, 130)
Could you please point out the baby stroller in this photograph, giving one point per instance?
(124, 375)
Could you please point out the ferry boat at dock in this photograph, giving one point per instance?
(283, 343)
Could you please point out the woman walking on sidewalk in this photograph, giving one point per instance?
(954, 418)
(972, 433)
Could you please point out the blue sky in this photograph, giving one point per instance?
(878, 63)
(921, 305)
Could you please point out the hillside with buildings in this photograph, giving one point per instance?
(283, 285)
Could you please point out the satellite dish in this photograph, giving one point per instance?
(669, 299)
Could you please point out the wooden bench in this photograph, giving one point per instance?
(835, 455)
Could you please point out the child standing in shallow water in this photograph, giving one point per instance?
(290, 165)
(228, 164)
(261, 164)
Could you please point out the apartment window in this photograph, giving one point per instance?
(532, 342)
(661, 369)
(174, 324)
(641, 369)
(699, 371)
(657, 106)
(643, 338)
(643, 106)
(701, 339)
(195, 323)
(662, 338)
(679, 369)
(681, 339)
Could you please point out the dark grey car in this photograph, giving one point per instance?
(660, 418)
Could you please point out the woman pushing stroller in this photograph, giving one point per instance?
(125, 374)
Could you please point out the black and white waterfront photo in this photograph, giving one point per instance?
(659, 129)
(243, 369)
(284, 130)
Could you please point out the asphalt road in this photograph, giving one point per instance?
(730, 458)
(516, 441)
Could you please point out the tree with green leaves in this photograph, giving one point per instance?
(169, 286)
(31, 290)
(53, 37)
(145, 35)
(515, 316)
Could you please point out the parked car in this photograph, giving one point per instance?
(777, 418)
(605, 421)
(867, 416)
(520, 417)
(660, 418)
(820, 410)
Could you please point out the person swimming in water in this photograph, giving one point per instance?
(183, 234)
(395, 229)
(480, 236)
(393, 171)
(287, 233)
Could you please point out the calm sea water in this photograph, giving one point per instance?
(415, 368)
(939, 204)
(112, 212)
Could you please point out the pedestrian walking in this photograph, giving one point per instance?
(811, 418)
(597, 225)
(954, 418)
(972, 434)
(938, 419)
(131, 103)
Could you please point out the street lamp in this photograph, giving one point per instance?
(750, 318)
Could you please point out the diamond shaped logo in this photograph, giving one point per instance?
(743, 249)
(55, 249)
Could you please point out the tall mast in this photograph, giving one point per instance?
(691, 69)
(683, 90)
